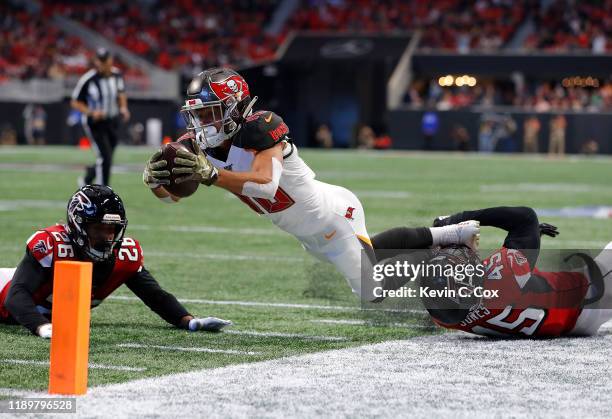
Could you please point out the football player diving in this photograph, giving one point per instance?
(529, 302)
(251, 154)
(94, 232)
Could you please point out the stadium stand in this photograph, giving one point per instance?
(586, 95)
(573, 26)
(448, 24)
(31, 46)
(173, 34)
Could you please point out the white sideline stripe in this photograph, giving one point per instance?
(277, 305)
(18, 393)
(223, 256)
(382, 194)
(183, 349)
(208, 229)
(286, 335)
(92, 365)
(367, 323)
(558, 378)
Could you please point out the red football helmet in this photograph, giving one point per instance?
(218, 100)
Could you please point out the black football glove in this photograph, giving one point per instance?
(548, 230)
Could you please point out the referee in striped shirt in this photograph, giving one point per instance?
(100, 97)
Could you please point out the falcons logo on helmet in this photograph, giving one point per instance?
(81, 203)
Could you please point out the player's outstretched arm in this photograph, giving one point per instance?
(166, 306)
(19, 302)
(521, 223)
(263, 178)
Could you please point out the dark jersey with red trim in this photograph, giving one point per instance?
(28, 297)
(520, 308)
(53, 244)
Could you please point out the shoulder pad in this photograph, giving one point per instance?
(51, 244)
(262, 130)
(40, 245)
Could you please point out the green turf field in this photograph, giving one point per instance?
(214, 251)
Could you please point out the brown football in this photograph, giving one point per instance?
(169, 153)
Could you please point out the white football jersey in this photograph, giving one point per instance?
(302, 205)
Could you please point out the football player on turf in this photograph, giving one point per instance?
(94, 232)
(251, 155)
(529, 302)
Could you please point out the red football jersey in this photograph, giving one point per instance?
(52, 244)
(524, 313)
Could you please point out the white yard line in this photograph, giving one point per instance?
(224, 256)
(382, 194)
(371, 324)
(286, 335)
(207, 229)
(19, 204)
(187, 349)
(544, 187)
(91, 365)
(272, 305)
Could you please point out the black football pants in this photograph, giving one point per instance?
(103, 136)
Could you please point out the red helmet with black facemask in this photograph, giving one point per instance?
(218, 100)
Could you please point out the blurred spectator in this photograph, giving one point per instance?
(136, 133)
(8, 135)
(531, 131)
(590, 147)
(430, 123)
(461, 138)
(365, 137)
(556, 144)
(486, 140)
(35, 124)
(577, 94)
(324, 137)
(505, 128)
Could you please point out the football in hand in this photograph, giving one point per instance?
(186, 188)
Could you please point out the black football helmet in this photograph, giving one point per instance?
(95, 204)
(218, 100)
(446, 307)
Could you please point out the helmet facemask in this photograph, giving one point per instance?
(102, 238)
(213, 122)
(97, 225)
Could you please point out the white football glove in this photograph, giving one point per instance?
(44, 331)
(209, 324)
